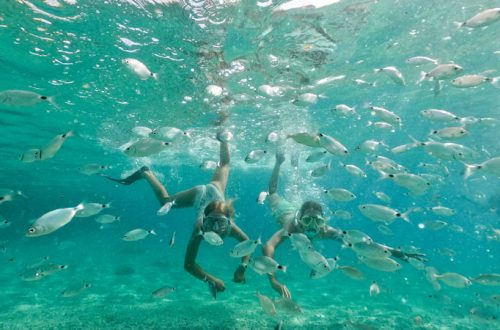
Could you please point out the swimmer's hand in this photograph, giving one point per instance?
(239, 275)
(281, 289)
(219, 284)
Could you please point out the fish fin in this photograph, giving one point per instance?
(80, 206)
(152, 232)
(259, 240)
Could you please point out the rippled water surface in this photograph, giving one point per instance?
(251, 67)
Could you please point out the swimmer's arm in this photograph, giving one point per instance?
(271, 245)
(268, 250)
(219, 179)
(190, 264)
(273, 182)
(185, 198)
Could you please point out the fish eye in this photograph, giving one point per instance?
(104, 206)
(43, 97)
(434, 132)
(31, 230)
(127, 149)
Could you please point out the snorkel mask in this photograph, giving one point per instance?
(217, 223)
(312, 223)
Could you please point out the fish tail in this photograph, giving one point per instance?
(69, 134)
(259, 240)
(423, 74)
(377, 70)
(459, 24)
(415, 141)
(469, 170)
(432, 276)
(154, 75)
(80, 206)
(495, 82)
(152, 232)
(404, 215)
(51, 100)
(20, 193)
(384, 175)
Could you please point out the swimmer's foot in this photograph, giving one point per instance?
(137, 175)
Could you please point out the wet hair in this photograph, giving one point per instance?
(315, 207)
(224, 207)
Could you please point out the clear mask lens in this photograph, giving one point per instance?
(218, 224)
(313, 221)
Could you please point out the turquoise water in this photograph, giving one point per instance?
(72, 51)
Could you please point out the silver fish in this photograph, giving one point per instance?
(52, 221)
(137, 234)
(162, 292)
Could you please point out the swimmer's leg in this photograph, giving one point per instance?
(145, 173)
(137, 175)
(182, 199)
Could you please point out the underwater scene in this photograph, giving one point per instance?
(225, 164)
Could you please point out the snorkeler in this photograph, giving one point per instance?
(215, 214)
(308, 219)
